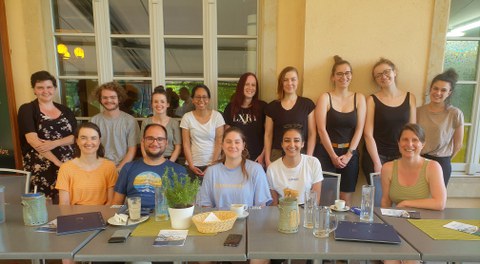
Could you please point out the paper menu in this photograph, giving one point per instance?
(462, 227)
(168, 237)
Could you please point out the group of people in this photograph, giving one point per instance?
(252, 152)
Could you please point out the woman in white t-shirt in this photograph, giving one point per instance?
(202, 132)
(294, 170)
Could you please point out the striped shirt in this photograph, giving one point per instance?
(420, 190)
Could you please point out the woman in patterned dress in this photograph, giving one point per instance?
(46, 134)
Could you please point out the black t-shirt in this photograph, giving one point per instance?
(252, 126)
(295, 117)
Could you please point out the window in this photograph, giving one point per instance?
(462, 54)
(145, 43)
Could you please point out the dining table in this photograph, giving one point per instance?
(18, 241)
(266, 242)
(199, 247)
(451, 250)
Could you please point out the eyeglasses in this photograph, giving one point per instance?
(384, 73)
(113, 97)
(205, 98)
(343, 74)
(150, 140)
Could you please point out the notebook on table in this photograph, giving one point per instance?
(366, 232)
(75, 223)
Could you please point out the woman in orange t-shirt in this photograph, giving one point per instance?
(88, 179)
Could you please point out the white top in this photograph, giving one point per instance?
(300, 178)
(202, 136)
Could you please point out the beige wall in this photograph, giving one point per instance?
(27, 44)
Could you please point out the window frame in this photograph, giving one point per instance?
(103, 46)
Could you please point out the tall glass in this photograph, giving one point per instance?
(324, 222)
(161, 206)
(368, 198)
(309, 207)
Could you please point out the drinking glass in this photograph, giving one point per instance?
(134, 207)
(368, 198)
(308, 208)
(324, 222)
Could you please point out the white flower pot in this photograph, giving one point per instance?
(181, 218)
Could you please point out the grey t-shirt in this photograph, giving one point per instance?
(439, 129)
(118, 134)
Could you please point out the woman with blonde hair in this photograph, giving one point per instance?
(289, 111)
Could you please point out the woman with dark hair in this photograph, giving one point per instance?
(388, 110)
(246, 112)
(340, 116)
(413, 181)
(202, 132)
(234, 179)
(289, 111)
(89, 178)
(294, 171)
(46, 134)
(443, 123)
(160, 104)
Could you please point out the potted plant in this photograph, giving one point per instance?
(180, 193)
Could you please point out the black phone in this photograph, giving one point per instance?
(232, 240)
(119, 236)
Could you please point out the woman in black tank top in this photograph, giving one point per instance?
(388, 110)
(340, 115)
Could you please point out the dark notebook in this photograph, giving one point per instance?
(69, 224)
(366, 232)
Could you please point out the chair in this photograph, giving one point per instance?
(15, 186)
(376, 181)
(330, 188)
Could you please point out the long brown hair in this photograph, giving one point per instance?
(239, 96)
(245, 154)
(281, 76)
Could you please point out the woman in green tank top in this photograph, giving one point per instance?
(411, 180)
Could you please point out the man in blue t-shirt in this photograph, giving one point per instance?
(141, 176)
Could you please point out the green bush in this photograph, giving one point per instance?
(180, 193)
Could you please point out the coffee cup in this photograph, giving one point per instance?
(339, 204)
(239, 209)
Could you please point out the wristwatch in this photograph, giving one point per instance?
(351, 151)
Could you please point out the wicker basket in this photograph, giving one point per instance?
(227, 219)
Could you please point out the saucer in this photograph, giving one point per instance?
(113, 221)
(245, 214)
(334, 208)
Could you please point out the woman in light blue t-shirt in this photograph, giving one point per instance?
(234, 179)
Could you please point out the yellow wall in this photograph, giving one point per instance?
(27, 44)
(361, 32)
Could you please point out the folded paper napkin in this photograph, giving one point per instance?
(211, 218)
(120, 218)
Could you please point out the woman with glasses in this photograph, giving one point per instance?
(202, 132)
(88, 179)
(294, 171)
(289, 111)
(246, 112)
(160, 104)
(388, 110)
(340, 116)
(234, 179)
(443, 123)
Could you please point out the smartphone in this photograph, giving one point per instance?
(119, 236)
(232, 240)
